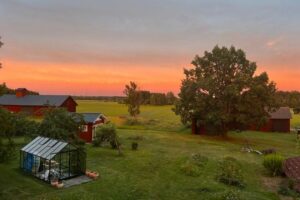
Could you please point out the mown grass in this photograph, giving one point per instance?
(154, 170)
(295, 122)
(151, 117)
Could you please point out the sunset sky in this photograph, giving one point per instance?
(95, 47)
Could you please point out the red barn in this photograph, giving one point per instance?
(35, 104)
(92, 121)
(279, 121)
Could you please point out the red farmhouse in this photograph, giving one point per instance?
(35, 104)
(279, 121)
(92, 121)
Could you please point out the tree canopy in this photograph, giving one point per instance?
(60, 124)
(223, 92)
(132, 99)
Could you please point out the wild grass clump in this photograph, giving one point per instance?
(274, 163)
(230, 172)
(286, 188)
(132, 121)
(190, 169)
(231, 195)
(136, 137)
(134, 146)
(199, 160)
(193, 166)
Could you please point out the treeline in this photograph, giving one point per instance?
(6, 90)
(148, 98)
(290, 99)
(101, 98)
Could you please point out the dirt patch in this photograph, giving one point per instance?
(272, 184)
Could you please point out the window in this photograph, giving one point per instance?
(84, 128)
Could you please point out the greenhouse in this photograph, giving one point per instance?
(50, 159)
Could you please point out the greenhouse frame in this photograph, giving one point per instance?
(50, 159)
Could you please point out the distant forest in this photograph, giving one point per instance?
(146, 98)
(284, 98)
(290, 99)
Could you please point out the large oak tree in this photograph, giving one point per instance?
(223, 91)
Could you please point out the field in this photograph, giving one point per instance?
(154, 171)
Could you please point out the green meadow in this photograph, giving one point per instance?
(154, 170)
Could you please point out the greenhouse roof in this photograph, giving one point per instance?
(44, 147)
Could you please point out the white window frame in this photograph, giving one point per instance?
(85, 128)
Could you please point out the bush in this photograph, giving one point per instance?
(273, 163)
(7, 151)
(106, 133)
(199, 159)
(97, 142)
(230, 172)
(190, 169)
(134, 146)
(231, 195)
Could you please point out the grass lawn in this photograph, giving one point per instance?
(154, 171)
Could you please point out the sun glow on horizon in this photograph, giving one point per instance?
(49, 78)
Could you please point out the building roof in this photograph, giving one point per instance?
(281, 113)
(33, 100)
(91, 117)
(44, 147)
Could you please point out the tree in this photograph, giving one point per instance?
(291, 99)
(7, 127)
(60, 124)
(222, 92)
(132, 99)
(170, 98)
(158, 99)
(145, 97)
(1, 43)
(5, 90)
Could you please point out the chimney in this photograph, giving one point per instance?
(21, 92)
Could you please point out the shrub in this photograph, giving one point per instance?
(199, 159)
(107, 133)
(190, 169)
(231, 195)
(230, 172)
(134, 146)
(273, 163)
(7, 151)
(97, 142)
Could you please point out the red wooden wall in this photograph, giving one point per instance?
(87, 136)
(70, 105)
